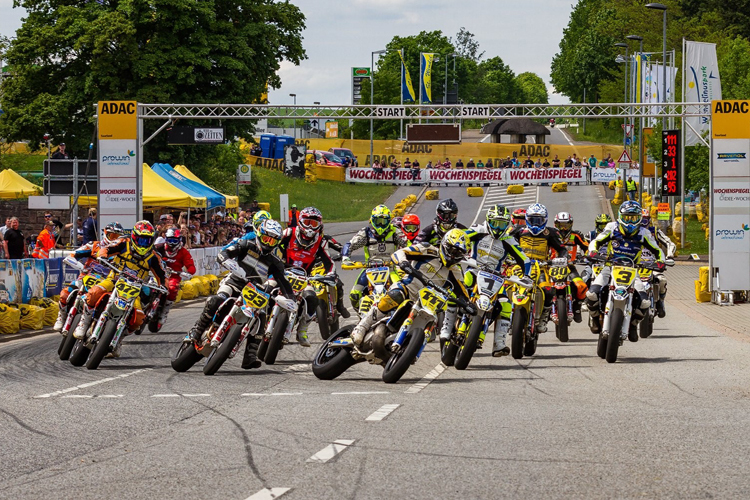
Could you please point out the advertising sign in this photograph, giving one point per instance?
(603, 174)
(467, 176)
(332, 130)
(358, 77)
(671, 163)
(702, 84)
(244, 174)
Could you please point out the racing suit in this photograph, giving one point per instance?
(181, 260)
(491, 252)
(538, 247)
(426, 259)
(389, 242)
(433, 233)
(124, 258)
(669, 248)
(306, 258)
(619, 245)
(572, 242)
(84, 259)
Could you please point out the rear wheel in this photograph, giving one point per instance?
(562, 319)
(322, 314)
(517, 331)
(185, 357)
(67, 343)
(402, 360)
(219, 355)
(277, 337)
(101, 348)
(330, 362)
(615, 328)
(601, 346)
(465, 353)
(80, 353)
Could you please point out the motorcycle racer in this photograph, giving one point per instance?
(519, 217)
(250, 259)
(176, 258)
(536, 240)
(624, 238)
(446, 218)
(259, 217)
(409, 224)
(600, 223)
(669, 248)
(493, 246)
(573, 239)
(380, 232)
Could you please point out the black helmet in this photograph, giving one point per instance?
(249, 227)
(447, 214)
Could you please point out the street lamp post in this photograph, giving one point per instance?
(640, 120)
(663, 8)
(372, 93)
(295, 114)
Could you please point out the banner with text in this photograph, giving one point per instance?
(467, 176)
(612, 174)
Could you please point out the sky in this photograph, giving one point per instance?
(342, 33)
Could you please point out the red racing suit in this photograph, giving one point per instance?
(182, 260)
(297, 255)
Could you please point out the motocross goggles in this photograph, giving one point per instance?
(536, 220)
(564, 226)
(411, 228)
(498, 225)
(311, 223)
(143, 241)
(174, 241)
(381, 222)
(269, 240)
(630, 218)
(454, 253)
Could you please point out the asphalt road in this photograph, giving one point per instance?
(667, 420)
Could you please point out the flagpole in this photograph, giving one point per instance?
(682, 153)
(401, 133)
(420, 87)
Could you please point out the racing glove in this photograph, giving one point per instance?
(406, 267)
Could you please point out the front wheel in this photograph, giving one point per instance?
(102, 345)
(517, 331)
(562, 319)
(322, 314)
(647, 325)
(277, 337)
(185, 357)
(219, 355)
(465, 353)
(330, 362)
(67, 343)
(601, 346)
(448, 353)
(402, 360)
(80, 352)
(615, 328)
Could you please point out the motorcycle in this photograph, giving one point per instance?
(562, 306)
(619, 306)
(235, 319)
(395, 342)
(471, 331)
(155, 306)
(527, 302)
(326, 313)
(112, 322)
(76, 306)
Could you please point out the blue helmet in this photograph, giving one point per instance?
(629, 218)
(536, 218)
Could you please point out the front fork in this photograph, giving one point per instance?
(626, 305)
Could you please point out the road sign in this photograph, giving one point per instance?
(624, 157)
(628, 128)
(244, 174)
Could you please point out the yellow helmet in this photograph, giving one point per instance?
(454, 246)
(380, 219)
(259, 217)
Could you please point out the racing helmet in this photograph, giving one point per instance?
(112, 232)
(498, 220)
(519, 217)
(446, 215)
(630, 218)
(601, 221)
(268, 236)
(380, 219)
(645, 218)
(564, 224)
(536, 218)
(309, 226)
(173, 241)
(142, 239)
(259, 217)
(453, 247)
(410, 226)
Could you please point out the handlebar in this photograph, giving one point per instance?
(367, 264)
(131, 275)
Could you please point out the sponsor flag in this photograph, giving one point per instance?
(407, 89)
(426, 77)
(703, 84)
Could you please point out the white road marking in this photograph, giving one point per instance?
(91, 384)
(330, 451)
(196, 395)
(496, 195)
(359, 392)
(434, 373)
(81, 396)
(566, 137)
(481, 205)
(110, 396)
(272, 394)
(268, 494)
(165, 396)
(485, 138)
(382, 412)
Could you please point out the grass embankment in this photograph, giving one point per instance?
(337, 201)
(23, 162)
(599, 131)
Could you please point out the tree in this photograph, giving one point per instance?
(532, 88)
(495, 83)
(70, 54)
(734, 68)
(466, 46)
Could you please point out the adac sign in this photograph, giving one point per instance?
(118, 119)
(730, 119)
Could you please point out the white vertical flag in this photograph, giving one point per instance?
(702, 84)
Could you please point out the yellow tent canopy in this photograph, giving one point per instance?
(13, 186)
(158, 192)
(232, 201)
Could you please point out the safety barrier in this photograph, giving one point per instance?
(432, 194)
(515, 189)
(474, 191)
(560, 187)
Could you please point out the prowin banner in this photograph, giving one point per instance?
(612, 174)
(469, 176)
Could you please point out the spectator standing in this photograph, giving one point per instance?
(488, 164)
(460, 164)
(576, 162)
(429, 164)
(556, 162)
(60, 154)
(610, 162)
(293, 212)
(45, 241)
(14, 242)
(407, 163)
(538, 163)
(545, 163)
(377, 167)
(603, 163)
(471, 164)
(253, 208)
(507, 163)
(632, 189)
(5, 227)
(414, 170)
(528, 162)
(568, 162)
(592, 161)
(90, 233)
(447, 163)
(481, 165)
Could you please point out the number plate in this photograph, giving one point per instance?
(254, 297)
(623, 276)
(298, 284)
(488, 283)
(377, 275)
(645, 274)
(127, 291)
(559, 273)
(431, 300)
(90, 281)
(598, 269)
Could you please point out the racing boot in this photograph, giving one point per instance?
(62, 315)
(595, 324)
(250, 359)
(499, 349)
(365, 324)
(660, 311)
(577, 311)
(116, 352)
(302, 331)
(200, 326)
(541, 326)
(164, 313)
(341, 308)
(84, 323)
(449, 323)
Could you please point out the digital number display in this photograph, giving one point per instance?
(671, 163)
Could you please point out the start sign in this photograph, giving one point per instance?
(117, 119)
